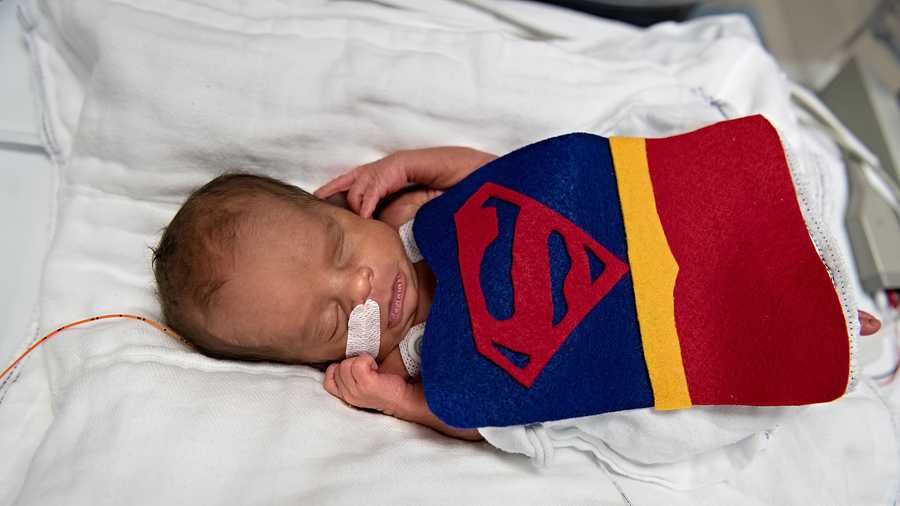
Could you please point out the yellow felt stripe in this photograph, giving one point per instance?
(653, 272)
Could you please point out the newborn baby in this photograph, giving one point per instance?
(255, 269)
(252, 268)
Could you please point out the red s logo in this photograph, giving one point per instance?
(530, 330)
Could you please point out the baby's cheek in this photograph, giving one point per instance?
(384, 348)
(390, 343)
(340, 349)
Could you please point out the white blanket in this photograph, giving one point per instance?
(143, 101)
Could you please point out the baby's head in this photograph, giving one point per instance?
(256, 269)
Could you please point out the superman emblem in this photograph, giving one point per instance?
(533, 317)
(532, 331)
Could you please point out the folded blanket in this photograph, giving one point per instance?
(581, 275)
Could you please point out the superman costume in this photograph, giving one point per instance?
(581, 275)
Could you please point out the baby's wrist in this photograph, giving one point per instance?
(441, 167)
(415, 409)
(406, 406)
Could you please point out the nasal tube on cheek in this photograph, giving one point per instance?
(364, 330)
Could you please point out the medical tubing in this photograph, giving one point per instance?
(17, 138)
(153, 323)
(846, 141)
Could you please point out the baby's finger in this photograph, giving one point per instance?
(340, 380)
(355, 193)
(363, 369)
(349, 386)
(329, 383)
(336, 185)
(369, 201)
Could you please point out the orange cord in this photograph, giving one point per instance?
(153, 323)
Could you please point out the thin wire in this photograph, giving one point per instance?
(890, 377)
(153, 323)
(17, 138)
(848, 142)
(615, 484)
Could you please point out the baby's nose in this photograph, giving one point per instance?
(359, 285)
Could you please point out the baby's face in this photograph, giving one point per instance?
(296, 274)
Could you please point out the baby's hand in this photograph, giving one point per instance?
(437, 168)
(367, 184)
(358, 382)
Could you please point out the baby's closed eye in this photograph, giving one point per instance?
(334, 323)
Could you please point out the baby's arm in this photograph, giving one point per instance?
(404, 207)
(413, 407)
(359, 382)
(436, 168)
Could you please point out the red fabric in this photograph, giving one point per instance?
(757, 317)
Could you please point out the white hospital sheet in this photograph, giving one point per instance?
(143, 101)
(27, 191)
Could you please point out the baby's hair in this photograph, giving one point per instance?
(187, 262)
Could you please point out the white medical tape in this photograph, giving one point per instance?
(364, 325)
(409, 242)
(411, 349)
(364, 329)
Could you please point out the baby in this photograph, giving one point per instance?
(252, 268)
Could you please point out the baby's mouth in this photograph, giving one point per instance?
(398, 291)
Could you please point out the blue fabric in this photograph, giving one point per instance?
(600, 366)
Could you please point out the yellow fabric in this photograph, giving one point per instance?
(653, 272)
